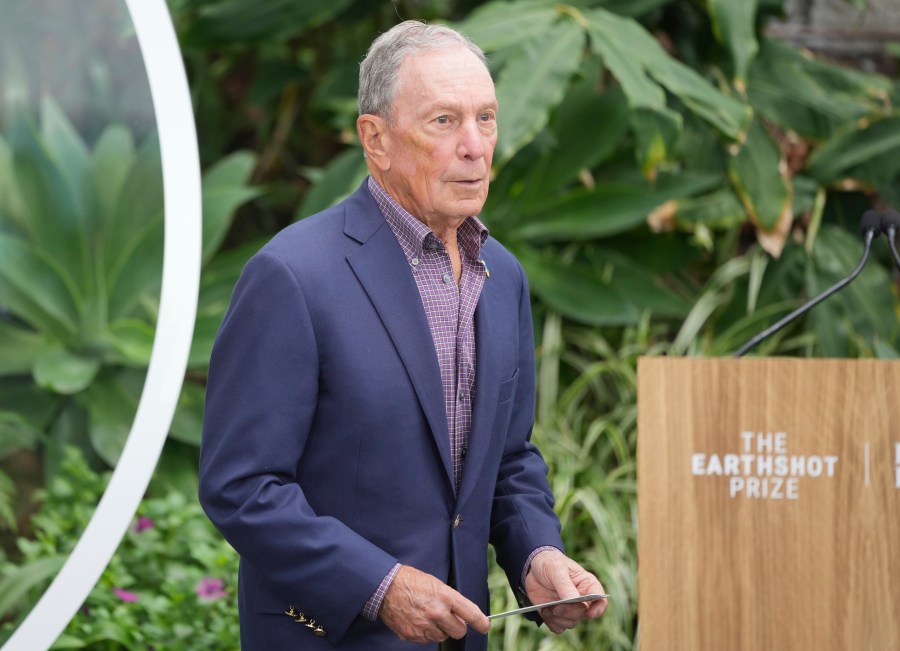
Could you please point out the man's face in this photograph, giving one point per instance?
(441, 140)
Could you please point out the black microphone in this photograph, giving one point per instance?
(890, 224)
(870, 225)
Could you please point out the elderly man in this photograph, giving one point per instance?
(371, 391)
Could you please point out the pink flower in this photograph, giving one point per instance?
(143, 523)
(210, 589)
(124, 595)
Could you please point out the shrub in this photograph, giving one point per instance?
(171, 583)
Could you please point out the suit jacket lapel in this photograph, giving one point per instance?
(487, 381)
(381, 268)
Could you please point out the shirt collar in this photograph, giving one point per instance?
(414, 236)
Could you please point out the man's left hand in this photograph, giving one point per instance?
(553, 576)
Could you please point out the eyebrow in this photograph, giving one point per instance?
(456, 107)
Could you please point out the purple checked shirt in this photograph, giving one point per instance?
(450, 310)
(449, 307)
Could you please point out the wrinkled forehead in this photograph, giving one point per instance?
(440, 75)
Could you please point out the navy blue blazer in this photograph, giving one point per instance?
(325, 456)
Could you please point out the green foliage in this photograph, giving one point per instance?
(172, 580)
(617, 130)
(81, 236)
(7, 498)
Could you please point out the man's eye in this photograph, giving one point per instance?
(443, 119)
(485, 117)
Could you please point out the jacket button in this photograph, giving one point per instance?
(457, 521)
(319, 631)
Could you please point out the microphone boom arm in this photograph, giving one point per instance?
(890, 222)
(869, 236)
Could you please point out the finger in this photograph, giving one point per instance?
(470, 614)
(573, 612)
(439, 635)
(452, 626)
(596, 609)
(559, 624)
(562, 582)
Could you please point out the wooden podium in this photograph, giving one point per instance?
(769, 504)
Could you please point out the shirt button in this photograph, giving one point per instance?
(446, 278)
(462, 394)
(415, 262)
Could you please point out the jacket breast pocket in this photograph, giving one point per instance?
(508, 388)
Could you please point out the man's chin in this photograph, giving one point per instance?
(467, 206)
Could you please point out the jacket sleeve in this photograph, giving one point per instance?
(260, 405)
(522, 517)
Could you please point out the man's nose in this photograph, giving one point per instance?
(471, 141)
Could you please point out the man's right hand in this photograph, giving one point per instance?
(420, 608)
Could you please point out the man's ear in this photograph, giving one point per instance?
(372, 131)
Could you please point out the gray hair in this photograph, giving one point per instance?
(379, 70)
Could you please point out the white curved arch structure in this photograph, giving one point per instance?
(174, 328)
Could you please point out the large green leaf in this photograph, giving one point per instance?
(70, 155)
(582, 141)
(759, 175)
(533, 83)
(134, 243)
(11, 209)
(64, 372)
(113, 158)
(132, 340)
(809, 96)
(139, 209)
(246, 21)
(637, 285)
(50, 216)
(111, 403)
(868, 152)
(36, 288)
(573, 144)
(720, 209)
(630, 70)
(575, 291)
(224, 190)
(140, 273)
(605, 289)
(734, 25)
(19, 347)
(634, 57)
(633, 8)
(606, 210)
(656, 132)
(339, 179)
(498, 25)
